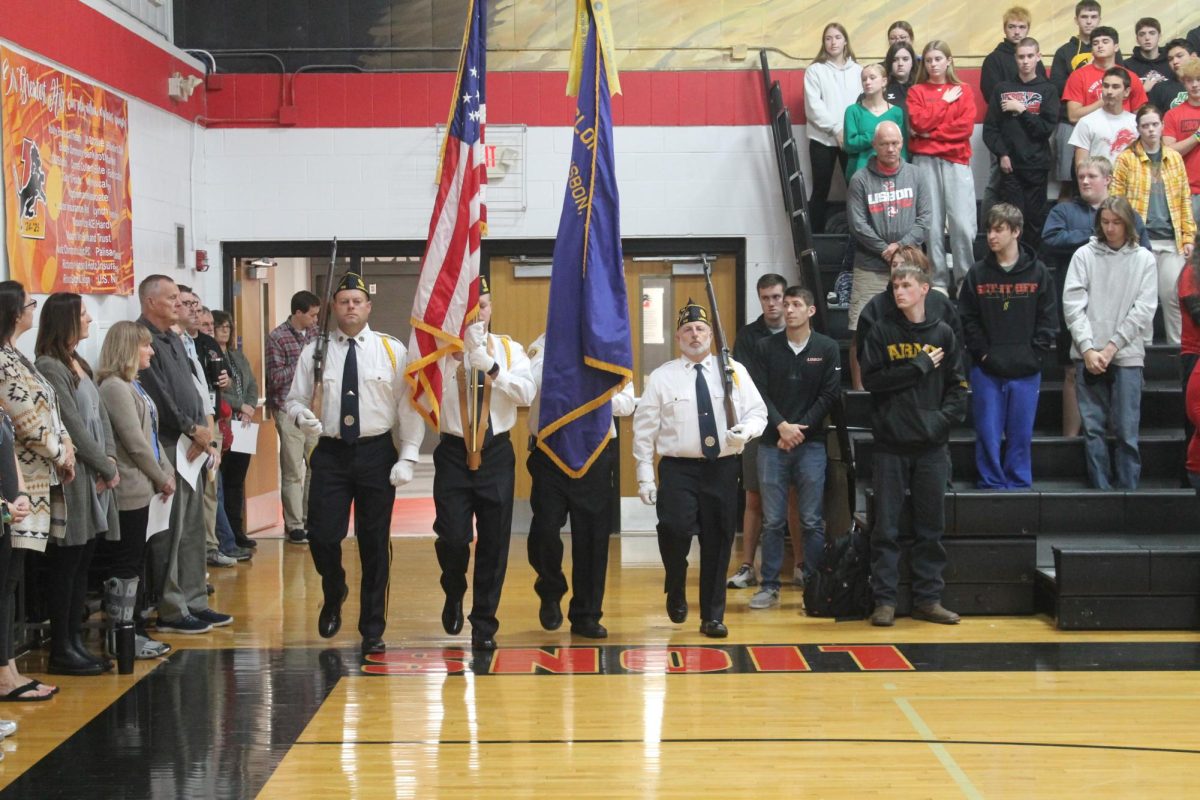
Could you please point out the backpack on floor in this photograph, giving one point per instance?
(841, 588)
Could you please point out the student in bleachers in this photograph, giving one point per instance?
(1148, 61)
(1077, 52)
(942, 115)
(1069, 226)
(1111, 128)
(1109, 302)
(900, 63)
(1189, 346)
(1009, 316)
(831, 84)
(1181, 129)
(1154, 181)
(900, 31)
(864, 116)
(1021, 120)
(1171, 92)
(1083, 93)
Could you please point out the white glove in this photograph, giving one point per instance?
(648, 492)
(402, 473)
(475, 336)
(736, 437)
(480, 360)
(308, 422)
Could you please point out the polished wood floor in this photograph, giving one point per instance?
(995, 707)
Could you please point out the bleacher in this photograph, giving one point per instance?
(1089, 558)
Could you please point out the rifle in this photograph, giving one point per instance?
(722, 345)
(323, 338)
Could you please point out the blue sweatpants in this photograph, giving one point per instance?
(1004, 409)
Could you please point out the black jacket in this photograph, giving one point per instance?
(1009, 318)
(1144, 67)
(913, 403)
(937, 306)
(1000, 66)
(896, 93)
(747, 339)
(796, 388)
(168, 381)
(1024, 138)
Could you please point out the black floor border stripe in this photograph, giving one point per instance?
(746, 740)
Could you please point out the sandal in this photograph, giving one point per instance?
(21, 694)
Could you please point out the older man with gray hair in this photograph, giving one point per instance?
(888, 207)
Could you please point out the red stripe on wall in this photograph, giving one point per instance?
(97, 47)
(351, 100)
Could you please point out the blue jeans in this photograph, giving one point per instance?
(1115, 403)
(779, 470)
(226, 541)
(1004, 408)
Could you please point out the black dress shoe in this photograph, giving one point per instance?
(330, 620)
(677, 607)
(80, 649)
(242, 540)
(452, 618)
(69, 662)
(589, 628)
(373, 645)
(482, 641)
(714, 629)
(550, 615)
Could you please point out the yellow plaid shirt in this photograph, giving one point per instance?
(1131, 179)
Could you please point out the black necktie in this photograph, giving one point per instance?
(349, 426)
(709, 443)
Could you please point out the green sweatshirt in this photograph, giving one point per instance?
(859, 130)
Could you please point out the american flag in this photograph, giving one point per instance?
(448, 289)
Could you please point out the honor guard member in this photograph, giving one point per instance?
(681, 416)
(588, 501)
(475, 468)
(363, 393)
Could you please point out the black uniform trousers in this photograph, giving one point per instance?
(359, 473)
(485, 497)
(698, 497)
(588, 502)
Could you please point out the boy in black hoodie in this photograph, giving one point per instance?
(1008, 306)
(1021, 119)
(1149, 61)
(913, 371)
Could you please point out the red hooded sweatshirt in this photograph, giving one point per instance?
(948, 125)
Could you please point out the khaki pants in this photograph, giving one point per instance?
(177, 555)
(294, 447)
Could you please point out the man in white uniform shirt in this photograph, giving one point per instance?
(681, 416)
(363, 396)
(588, 501)
(468, 498)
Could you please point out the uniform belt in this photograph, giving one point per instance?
(498, 437)
(695, 459)
(362, 440)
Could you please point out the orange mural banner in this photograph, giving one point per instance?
(67, 207)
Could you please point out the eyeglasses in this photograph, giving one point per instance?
(191, 303)
(30, 304)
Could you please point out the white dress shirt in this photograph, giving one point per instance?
(622, 402)
(512, 388)
(383, 392)
(667, 420)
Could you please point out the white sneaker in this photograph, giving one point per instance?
(7, 728)
(765, 598)
(743, 578)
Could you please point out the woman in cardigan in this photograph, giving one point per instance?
(242, 396)
(143, 467)
(91, 506)
(44, 449)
